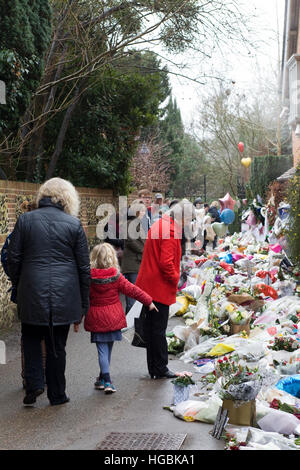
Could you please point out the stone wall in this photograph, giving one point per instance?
(12, 194)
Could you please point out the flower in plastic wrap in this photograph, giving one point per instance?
(239, 317)
(246, 391)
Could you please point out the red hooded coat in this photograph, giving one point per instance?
(160, 268)
(106, 312)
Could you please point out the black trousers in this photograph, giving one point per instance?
(32, 336)
(207, 241)
(155, 334)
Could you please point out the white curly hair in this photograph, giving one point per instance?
(63, 192)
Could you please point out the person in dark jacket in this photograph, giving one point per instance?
(215, 217)
(213, 212)
(133, 246)
(48, 264)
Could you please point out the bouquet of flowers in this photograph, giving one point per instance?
(239, 316)
(183, 379)
(175, 345)
(240, 383)
(284, 343)
(278, 405)
(232, 442)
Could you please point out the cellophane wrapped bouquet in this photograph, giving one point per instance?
(238, 382)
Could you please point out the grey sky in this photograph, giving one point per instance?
(242, 68)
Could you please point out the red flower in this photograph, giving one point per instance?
(220, 361)
(225, 359)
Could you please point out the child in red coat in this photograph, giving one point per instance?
(106, 316)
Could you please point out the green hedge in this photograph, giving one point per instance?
(266, 169)
(294, 226)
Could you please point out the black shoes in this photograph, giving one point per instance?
(30, 398)
(167, 375)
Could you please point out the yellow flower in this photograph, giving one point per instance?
(230, 308)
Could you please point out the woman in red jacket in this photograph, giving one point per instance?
(106, 316)
(158, 276)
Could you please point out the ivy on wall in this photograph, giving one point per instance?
(294, 226)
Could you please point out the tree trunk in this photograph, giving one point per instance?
(61, 136)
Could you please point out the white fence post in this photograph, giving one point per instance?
(2, 353)
(2, 92)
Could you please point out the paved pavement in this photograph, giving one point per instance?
(137, 406)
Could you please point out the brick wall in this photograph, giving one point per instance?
(296, 148)
(12, 194)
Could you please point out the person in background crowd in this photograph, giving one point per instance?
(105, 317)
(215, 217)
(201, 210)
(198, 203)
(213, 211)
(48, 264)
(158, 208)
(133, 246)
(167, 203)
(159, 276)
(146, 197)
(112, 229)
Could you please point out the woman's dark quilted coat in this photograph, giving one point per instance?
(48, 262)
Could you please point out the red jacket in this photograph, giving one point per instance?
(106, 312)
(160, 268)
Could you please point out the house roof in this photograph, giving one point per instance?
(287, 175)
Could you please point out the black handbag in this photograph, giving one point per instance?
(139, 338)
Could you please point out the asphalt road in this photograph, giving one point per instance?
(137, 406)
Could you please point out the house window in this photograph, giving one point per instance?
(294, 89)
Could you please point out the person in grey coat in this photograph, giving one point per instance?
(133, 245)
(49, 266)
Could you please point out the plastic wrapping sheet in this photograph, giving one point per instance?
(192, 292)
(278, 309)
(262, 440)
(277, 421)
(206, 345)
(268, 395)
(201, 410)
(237, 280)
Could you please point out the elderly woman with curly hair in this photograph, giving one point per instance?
(48, 263)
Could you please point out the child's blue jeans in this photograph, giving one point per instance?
(104, 355)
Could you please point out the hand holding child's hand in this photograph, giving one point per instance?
(153, 307)
(76, 327)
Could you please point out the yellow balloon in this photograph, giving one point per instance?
(246, 162)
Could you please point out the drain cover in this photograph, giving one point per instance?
(141, 441)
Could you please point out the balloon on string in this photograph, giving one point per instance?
(227, 216)
(246, 162)
(241, 147)
(227, 202)
(220, 229)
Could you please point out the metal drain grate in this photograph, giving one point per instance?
(141, 441)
